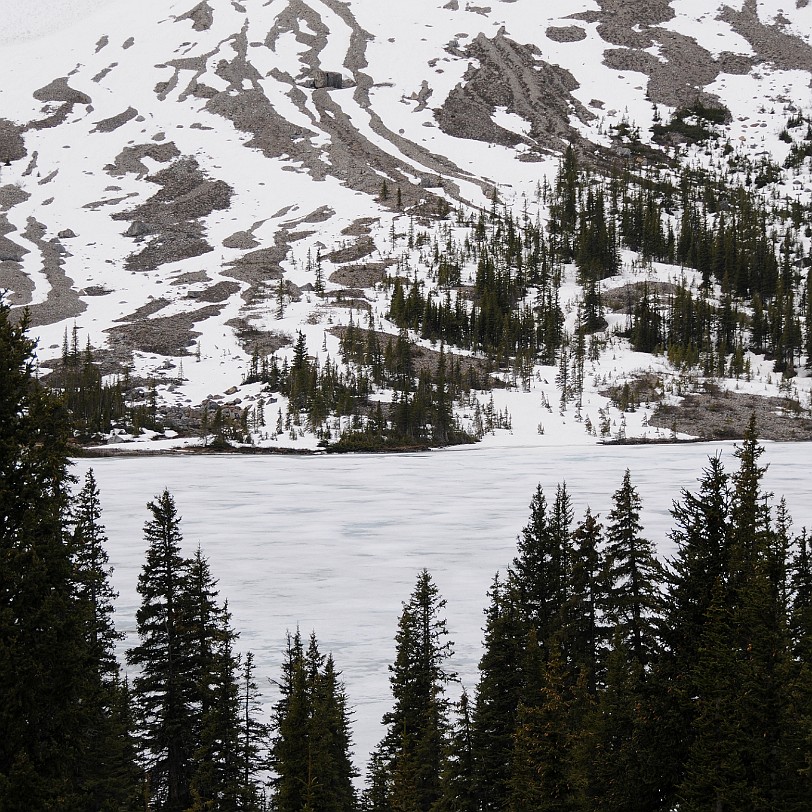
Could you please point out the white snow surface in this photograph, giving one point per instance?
(333, 544)
(118, 52)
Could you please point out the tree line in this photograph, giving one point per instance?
(609, 679)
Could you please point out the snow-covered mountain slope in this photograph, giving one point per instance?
(172, 170)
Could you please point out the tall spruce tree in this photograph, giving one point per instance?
(634, 604)
(697, 577)
(411, 759)
(460, 789)
(48, 676)
(289, 745)
(501, 685)
(620, 778)
(546, 773)
(311, 736)
(253, 740)
(216, 781)
(330, 737)
(583, 636)
(166, 688)
(541, 569)
(112, 774)
(747, 749)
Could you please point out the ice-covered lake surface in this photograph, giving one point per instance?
(333, 544)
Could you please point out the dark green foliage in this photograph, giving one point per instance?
(461, 789)
(501, 685)
(216, 778)
(94, 407)
(542, 568)
(646, 333)
(412, 756)
(694, 122)
(201, 742)
(253, 738)
(311, 738)
(166, 688)
(114, 779)
(618, 779)
(64, 717)
(583, 633)
(633, 604)
(545, 775)
(49, 699)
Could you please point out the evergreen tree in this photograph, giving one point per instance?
(48, 676)
(501, 685)
(620, 775)
(583, 634)
(204, 628)
(634, 604)
(92, 575)
(747, 749)
(412, 755)
(331, 787)
(252, 755)
(311, 741)
(703, 536)
(218, 778)
(166, 688)
(542, 567)
(460, 788)
(113, 779)
(289, 747)
(545, 773)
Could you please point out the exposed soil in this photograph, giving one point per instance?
(363, 247)
(364, 275)
(724, 415)
(170, 335)
(265, 342)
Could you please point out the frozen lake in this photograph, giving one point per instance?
(334, 543)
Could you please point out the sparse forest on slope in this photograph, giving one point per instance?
(281, 236)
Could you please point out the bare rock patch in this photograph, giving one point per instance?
(364, 275)
(264, 342)
(201, 16)
(513, 76)
(130, 159)
(12, 144)
(361, 248)
(174, 213)
(723, 415)
(566, 33)
(168, 335)
(59, 91)
(108, 125)
(220, 292)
